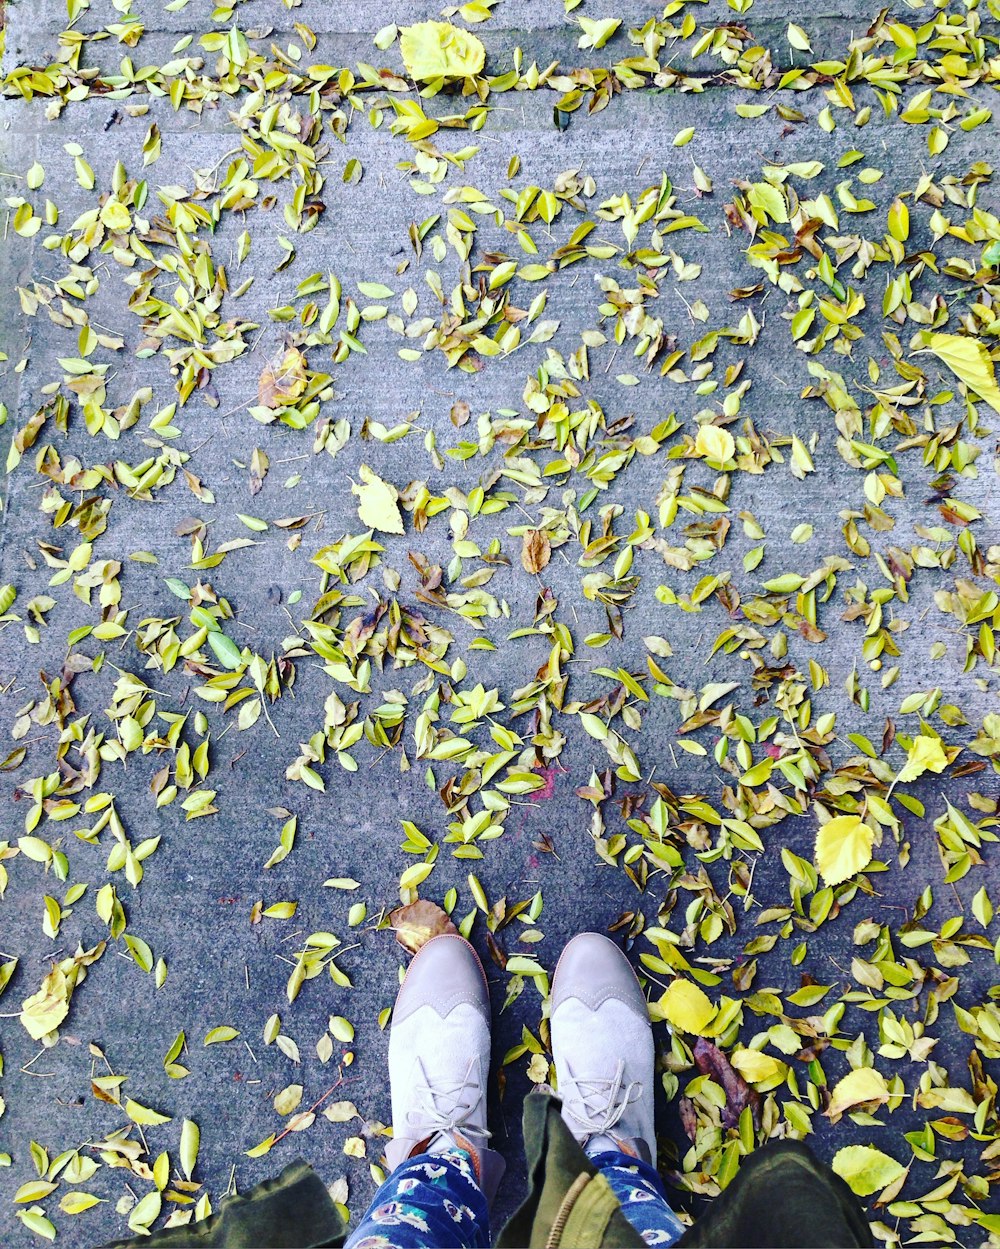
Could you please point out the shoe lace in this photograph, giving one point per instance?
(600, 1101)
(446, 1106)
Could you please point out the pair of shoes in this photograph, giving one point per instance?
(439, 1054)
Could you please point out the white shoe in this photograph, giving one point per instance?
(602, 1043)
(439, 1058)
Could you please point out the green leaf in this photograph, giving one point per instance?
(223, 1033)
(190, 1140)
(226, 650)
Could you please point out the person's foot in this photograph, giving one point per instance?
(602, 1043)
(439, 1058)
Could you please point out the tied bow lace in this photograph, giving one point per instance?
(444, 1106)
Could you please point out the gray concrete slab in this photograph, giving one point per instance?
(193, 907)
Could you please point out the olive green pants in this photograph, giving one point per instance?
(781, 1198)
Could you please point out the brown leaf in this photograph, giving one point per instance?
(689, 1119)
(711, 1061)
(460, 413)
(283, 383)
(536, 551)
(417, 922)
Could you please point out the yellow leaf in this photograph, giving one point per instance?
(969, 360)
(433, 50)
(145, 1211)
(342, 1029)
(223, 1033)
(34, 1190)
(899, 220)
(856, 1088)
(686, 1007)
(756, 1067)
(190, 1140)
(76, 1203)
(597, 32)
(865, 1169)
(843, 847)
(116, 216)
(377, 505)
(288, 1099)
(281, 910)
(714, 443)
(340, 1112)
(925, 755)
(143, 1114)
(45, 1010)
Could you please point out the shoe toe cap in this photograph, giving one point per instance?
(593, 970)
(444, 973)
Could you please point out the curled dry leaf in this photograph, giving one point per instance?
(417, 922)
(282, 384)
(536, 550)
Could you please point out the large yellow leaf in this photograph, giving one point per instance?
(925, 755)
(714, 443)
(45, 1010)
(969, 360)
(865, 1169)
(686, 1007)
(116, 215)
(377, 504)
(434, 50)
(843, 847)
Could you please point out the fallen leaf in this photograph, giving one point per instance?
(535, 550)
(843, 848)
(711, 1061)
(432, 50)
(866, 1170)
(283, 383)
(857, 1088)
(417, 922)
(715, 443)
(116, 216)
(926, 754)
(45, 1010)
(969, 360)
(288, 1099)
(377, 502)
(686, 1007)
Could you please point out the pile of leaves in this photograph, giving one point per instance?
(747, 782)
